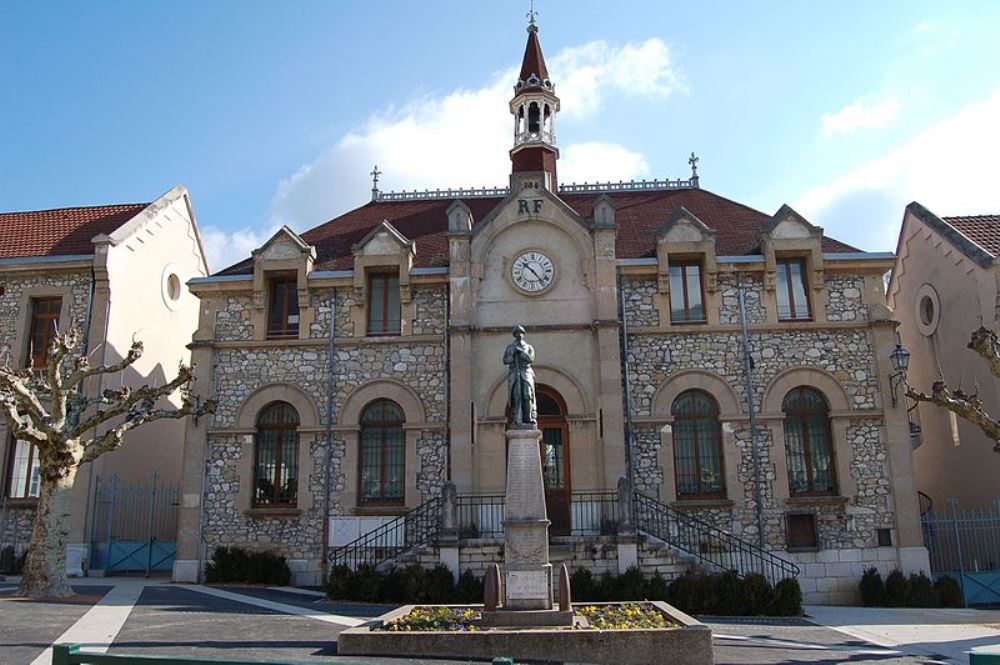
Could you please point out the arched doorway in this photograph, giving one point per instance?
(555, 458)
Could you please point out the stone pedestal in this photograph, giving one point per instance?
(527, 571)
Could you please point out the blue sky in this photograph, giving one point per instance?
(275, 112)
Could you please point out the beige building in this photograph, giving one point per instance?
(945, 284)
(358, 370)
(115, 272)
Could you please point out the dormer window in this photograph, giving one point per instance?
(687, 302)
(283, 307)
(791, 290)
(384, 313)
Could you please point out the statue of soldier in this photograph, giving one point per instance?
(520, 380)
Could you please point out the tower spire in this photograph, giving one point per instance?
(534, 108)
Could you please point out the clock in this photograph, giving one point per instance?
(532, 271)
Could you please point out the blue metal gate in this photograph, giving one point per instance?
(135, 525)
(965, 543)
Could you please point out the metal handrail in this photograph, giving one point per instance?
(709, 545)
(415, 528)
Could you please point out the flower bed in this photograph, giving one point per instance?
(616, 616)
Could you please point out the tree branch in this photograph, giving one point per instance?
(21, 427)
(962, 404)
(17, 384)
(60, 347)
(82, 369)
(986, 344)
(127, 399)
(113, 438)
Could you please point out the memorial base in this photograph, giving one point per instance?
(503, 618)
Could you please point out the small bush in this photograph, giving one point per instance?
(439, 585)
(631, 585)
(235, 564)
(582, 586)
(657, 588)
(921, 591)
(727, 597)
(757, 594)
(948, 592)
(339, 583)
(897, 589)
(365, 584)
(392, 585)
(684, 594)
(872, 588)
(469, 589)
(787, 598)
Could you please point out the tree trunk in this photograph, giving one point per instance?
(44, 573)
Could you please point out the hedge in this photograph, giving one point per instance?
(235, 564)
(917, 590)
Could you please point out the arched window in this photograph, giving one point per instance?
(383, 454)
(534, 120)
(808, 442)
(697, 446)
(276, 456)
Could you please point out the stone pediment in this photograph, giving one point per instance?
(285, 244)
(787, 224)
(684, 226)
(384, 240)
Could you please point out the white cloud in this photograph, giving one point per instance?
(861, 115)
(461, 139)
(950, 167)
(224, 248)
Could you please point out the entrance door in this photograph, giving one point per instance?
(555, 458)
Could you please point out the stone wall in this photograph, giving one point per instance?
(753, 299)
(16, 522)
(845, 302)
(639, 308)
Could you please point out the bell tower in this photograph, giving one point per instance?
(534, 107)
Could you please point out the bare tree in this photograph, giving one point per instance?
(48, 408)
(968, 405)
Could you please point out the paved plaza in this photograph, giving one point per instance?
(136, 616)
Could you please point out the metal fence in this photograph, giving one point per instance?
(134, 525)
(591, 514)
(965, 543)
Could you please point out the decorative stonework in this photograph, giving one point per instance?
(640, 310)
(753, 299)
(845, 304)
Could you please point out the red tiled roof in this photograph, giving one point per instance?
(533, 61)
(638, 215)
(984, 230)
(60, 232)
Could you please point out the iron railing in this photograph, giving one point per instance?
(709, 545)
(480, 516)
(134, 525)
(415, 528)
(594, 513)
(963, 540)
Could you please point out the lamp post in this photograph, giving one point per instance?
(900, 361)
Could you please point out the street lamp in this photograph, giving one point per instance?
(900, 361)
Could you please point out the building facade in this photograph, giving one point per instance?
(946, 284)
(115, 273)
(358, 370)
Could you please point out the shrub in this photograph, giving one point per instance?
(392, 585)
(921, 591)
(684, 594)
(339, 584)
(656, 587)
(235, 564)
(897, 589)
(469, 589)
(727, 596)
(582, 587)
(365, 583)
(949, 592)
(872, 588)
(439, 585)
(631, 585)
(787, 598)
(757, 594)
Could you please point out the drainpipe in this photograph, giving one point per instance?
(330, 386)
(90, 468)
(754, 453)
(447, 381)
(626, 384)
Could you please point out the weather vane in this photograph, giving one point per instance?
(375, 174)
(531, 15)
(693, 161)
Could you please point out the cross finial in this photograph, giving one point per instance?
(693, 161)
(375, 174)
(531, 16)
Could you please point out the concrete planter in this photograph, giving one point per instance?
(690, 644)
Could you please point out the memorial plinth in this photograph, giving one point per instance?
(527, 571)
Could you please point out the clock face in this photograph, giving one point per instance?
(532, 271)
